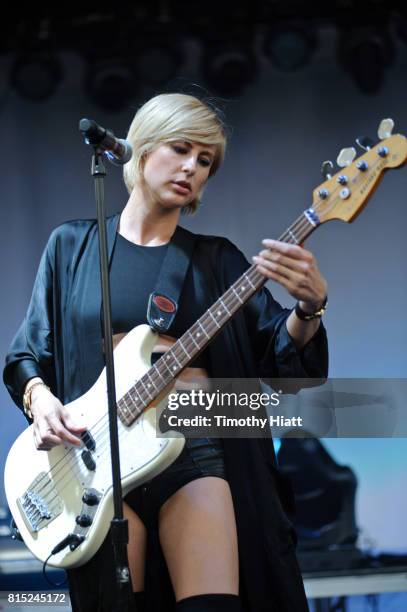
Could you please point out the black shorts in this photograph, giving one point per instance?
(200, 457)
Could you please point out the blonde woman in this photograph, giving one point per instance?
(209, 533)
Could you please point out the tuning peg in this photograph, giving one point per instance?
(326, 169)
(365, 142)
(346, 157)
(385, 128)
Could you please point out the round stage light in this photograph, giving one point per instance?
(229, 68)
(290, 47)
(365, 53)
(36, 76)
(110, 84)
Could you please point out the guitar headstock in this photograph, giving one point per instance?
(344, 195)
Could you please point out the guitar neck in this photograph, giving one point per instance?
(342, 197)
(197, 337)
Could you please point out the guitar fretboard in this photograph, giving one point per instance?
(197, 337)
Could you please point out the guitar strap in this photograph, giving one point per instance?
(163, 302)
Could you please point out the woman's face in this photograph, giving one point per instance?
(175, 172)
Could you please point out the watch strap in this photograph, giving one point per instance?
(309, 316)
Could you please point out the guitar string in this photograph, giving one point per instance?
(299, 224)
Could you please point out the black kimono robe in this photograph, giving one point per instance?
(60, 341)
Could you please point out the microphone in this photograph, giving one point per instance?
(117, 150)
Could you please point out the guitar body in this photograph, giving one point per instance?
(57, 479)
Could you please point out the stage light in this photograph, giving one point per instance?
(229, 67)
(157, 64)
(325, 493)
(110, 83)
(365, 53)
(36, 76)
(289, 47)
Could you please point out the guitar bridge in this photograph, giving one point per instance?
(40, 504)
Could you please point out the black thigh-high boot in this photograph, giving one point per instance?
(212, 602)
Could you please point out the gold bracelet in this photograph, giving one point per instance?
(27, 398)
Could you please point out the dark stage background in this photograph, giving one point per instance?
(284, 124)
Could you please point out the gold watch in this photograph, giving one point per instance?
(309, 316)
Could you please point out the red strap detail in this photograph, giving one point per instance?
(164, 303)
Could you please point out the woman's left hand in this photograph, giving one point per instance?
(294, 268)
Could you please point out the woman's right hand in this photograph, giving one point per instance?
(53, 424)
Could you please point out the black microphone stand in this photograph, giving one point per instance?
(119, 526)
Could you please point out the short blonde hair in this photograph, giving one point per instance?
(169, 117)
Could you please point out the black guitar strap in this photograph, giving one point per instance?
(163, 302)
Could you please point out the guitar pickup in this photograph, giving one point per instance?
(88, 440)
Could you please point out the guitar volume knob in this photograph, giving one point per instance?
(84, 520)
(90, 499)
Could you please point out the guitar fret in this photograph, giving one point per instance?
(138, 409)
(123, 414)
(214, 319)
(123, 410)
(143, 400)
(237, 295)
(126, 402)
(130, 402)
(151, 383)
(203, 329)
(156, 369)
(224, 306)
(293, 236)
(193, 339)
(250, 282)
(139, 396)
(126, 409)
(184, 349)
(175, 357)
(171, 354)
(145, 388)
(219, 312)
(209, 324)
(171, 369)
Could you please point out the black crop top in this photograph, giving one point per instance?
(134, 271)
